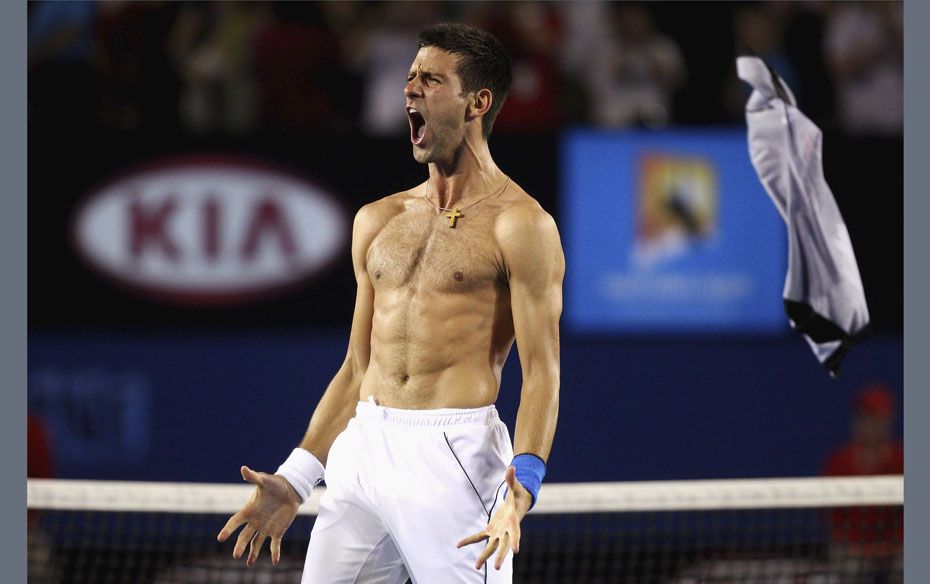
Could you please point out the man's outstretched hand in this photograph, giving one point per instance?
(503, 530)
(269, 513)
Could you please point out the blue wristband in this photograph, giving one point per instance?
(530, 470)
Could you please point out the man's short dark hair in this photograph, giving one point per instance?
(483, 62)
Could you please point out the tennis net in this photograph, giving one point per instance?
(810, 530)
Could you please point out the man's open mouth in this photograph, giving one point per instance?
(417, 125)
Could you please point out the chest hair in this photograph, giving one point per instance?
(417, 249)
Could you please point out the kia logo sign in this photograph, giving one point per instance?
(209, 231)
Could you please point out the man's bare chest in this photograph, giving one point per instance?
(420, 249)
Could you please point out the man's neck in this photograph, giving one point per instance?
(469, 177)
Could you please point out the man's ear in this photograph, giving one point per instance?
(479, 103)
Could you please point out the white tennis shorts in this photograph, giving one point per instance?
(402, 488)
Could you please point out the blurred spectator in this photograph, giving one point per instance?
(121, 46)
(302, 81)
(159, 91)
(758, 30)
(867, 540)
(865, 54)
(63, 62)
(633, 76)
(42, 563)
(803, 36)
(381, 48)
(586, 29)
(213, 45)
(39, 462)
(530, 31)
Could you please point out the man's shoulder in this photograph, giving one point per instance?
(523, 215)
(389, 204)
(380, 211)
(529, 238)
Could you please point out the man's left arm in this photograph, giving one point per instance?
(532, 253)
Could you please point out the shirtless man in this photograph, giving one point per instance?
(449, 273)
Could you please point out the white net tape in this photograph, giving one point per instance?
(151, 497)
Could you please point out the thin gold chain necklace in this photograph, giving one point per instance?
(455, 213)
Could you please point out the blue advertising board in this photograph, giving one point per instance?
(669, 232)
(195, 407)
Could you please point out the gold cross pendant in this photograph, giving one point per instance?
(453, 216)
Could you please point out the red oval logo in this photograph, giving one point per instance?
(209, 230)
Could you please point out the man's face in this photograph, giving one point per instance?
(435, 106)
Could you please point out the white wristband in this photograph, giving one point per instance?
(303, 471)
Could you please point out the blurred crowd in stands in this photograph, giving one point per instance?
(241, 67)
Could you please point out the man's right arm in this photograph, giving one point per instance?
(337, 406)
(275, 501)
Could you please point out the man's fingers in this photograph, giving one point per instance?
(275, 550)
(256, 547)
(510, 476)
(488, 550)
(251, 476)
(502, 551)
(515, 541)
(480, 536)
(232, 525)
(245, 536)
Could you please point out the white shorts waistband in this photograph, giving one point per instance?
(370, 410)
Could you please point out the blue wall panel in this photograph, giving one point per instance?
(196, 407)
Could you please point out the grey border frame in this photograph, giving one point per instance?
(916, 290)
(13, 304)
(13, 307)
